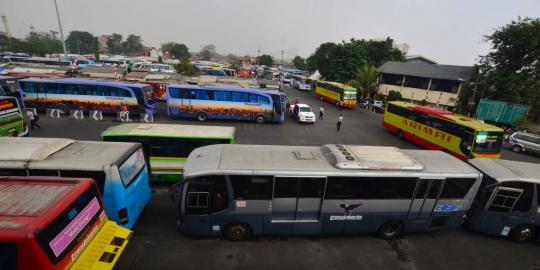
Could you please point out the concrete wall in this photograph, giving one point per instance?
(433, 97)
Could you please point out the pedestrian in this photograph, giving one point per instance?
(33, 119)
(288, 106)
(339, 120)
(321, 112)
(340, 105)
(124, 113)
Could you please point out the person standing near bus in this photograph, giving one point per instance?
(124, 113)
(339, 120)
(321, 112)
(33, 119)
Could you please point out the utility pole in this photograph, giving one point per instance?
(471, 101)
(258, 55)
(61, 32)
(281, 57)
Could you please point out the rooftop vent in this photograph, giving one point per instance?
(303, 155)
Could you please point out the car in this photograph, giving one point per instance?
(525, 142)
(303, 113)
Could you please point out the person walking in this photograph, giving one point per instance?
(339, 120)
(33, 119)
(321, 112)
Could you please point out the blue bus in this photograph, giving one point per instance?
(204, 102)
(119, 169)
(83, 94)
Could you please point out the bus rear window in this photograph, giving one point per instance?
(8, 256)
(70, 227)
(132, 166)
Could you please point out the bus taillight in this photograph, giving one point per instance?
(123, 216)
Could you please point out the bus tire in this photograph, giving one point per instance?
(516, 148)
(399, 134)
(237, 232)
(523, 233)
(201, 116)
(390, 230)
(259, 119)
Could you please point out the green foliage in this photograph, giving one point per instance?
(299, 63)
(394, 95)
(186, 68)
(36, 43)
(114, 43)
(423, 102)
(234, 61)
(96, 48)
(133, 45)
(80, 42)
(160, 59)
(340, 62)
(365, 81)
(177, 50)
(208, 52)
(266, 60)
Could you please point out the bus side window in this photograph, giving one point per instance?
(206, 195)
(247, 187)
(456, 188)
(13, 172)
(524, 202)
(538, 195)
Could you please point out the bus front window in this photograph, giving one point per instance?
(488, 142)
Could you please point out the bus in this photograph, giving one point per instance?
(204, 102)
(56, 223)
(508, 201)
(436, 129)
(242, 190)
(84, 94)
(300, 82)
(12, 119)
(167, 145)
(119, 169)
(336, 93)
(8, 86)
(151, 67)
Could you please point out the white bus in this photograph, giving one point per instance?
(243, 190)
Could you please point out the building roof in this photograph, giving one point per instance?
(419, 58)
(326, 160)
(171, 130)
(508, 170)
(435, 71)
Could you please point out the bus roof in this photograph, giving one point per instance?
(340, 85)
(85, 81)
(26, 201)
(454, 117)
(508, 170)
(328, 159)
(61, 154)
(219, 87)
(170, 130)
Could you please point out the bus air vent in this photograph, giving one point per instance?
(303, 155)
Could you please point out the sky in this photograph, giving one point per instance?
(448, 31)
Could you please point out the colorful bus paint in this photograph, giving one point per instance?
(336, 93)
(12, 119)
(56, 223)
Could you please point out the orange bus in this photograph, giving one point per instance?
(436, 129)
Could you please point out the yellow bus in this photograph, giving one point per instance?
(436, 129)
(337, 93)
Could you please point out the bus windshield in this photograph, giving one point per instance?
(488, 142)
(349, 95)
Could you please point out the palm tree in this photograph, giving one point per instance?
(366, 80)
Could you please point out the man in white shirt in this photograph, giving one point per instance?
(339, 120)
(32, 117)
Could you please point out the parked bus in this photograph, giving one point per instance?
(56, 223)
(336, 93)
(508, 201)
(300, 82)
(119, 169)
(204, 102)
(243, 190)
(77, 94)
(8, 86)
(167, 146)
(436, 129)
(12, 118)
(151, 67)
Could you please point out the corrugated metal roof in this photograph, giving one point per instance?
(436, 71)
(19, 199)
(508, 170)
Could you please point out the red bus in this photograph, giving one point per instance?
(56, 223)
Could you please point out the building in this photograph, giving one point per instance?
(419, 59)
(438, 85)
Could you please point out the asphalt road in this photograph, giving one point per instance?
(156, 243)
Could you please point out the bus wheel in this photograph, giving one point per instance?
(523, 233)
(202, 116)
(259, 119)
(237, 232)
(516, 148)
(399, 133)
(390, 230)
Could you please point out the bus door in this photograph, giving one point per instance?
(498, 209)
(425, 198)
(277, 108)
(296, 204)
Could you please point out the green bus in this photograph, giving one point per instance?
(167, 146)
(12, 119)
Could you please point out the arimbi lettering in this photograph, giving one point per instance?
(427, 130)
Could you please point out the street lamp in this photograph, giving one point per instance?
(61, 32)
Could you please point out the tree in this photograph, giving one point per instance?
(208, 52)
(393, 95)
(178, 51)
(80, 42)
(133, 45)
(185, 67)
(299, 63)
(265, 60)
(36, 43)
(96, 48)
(366, 81)
(114, 43)
(320, 59)
(234, 61)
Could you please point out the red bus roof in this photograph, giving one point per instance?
(30, 203)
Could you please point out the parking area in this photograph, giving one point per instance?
(157, 244)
